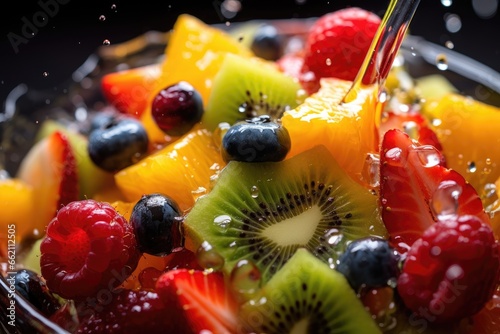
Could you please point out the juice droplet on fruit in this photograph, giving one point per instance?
(489, 190)
(223, 222)
(444, 202)
(208, 258)
(333, 236)
(254, 191)
(245, 277)
(428, 155)
(106, 42)
(370, 172)
(442, 62)
(393, 156)
(471, 167)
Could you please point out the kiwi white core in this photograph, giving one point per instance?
(297, 230)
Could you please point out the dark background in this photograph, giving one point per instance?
(75, 31)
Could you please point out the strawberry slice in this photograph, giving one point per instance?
(415, 125)
(50, 168)
(129, 90)
(202, 299)
(416, 190)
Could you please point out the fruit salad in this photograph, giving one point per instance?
(228, 187)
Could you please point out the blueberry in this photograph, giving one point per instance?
(369, 262)
(118, 144)
(31, 286)
(256, 140)
(156, 220)
(177, 108)
(267, 43)
(102, 120)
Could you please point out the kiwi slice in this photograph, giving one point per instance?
(263, 212)
(306, 296)
(247, 87)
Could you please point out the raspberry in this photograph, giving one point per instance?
(88, 247)
(451, 271)
(338, 42)
(130, 311)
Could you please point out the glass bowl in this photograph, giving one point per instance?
(80, 94)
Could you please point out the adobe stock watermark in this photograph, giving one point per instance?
(30, 27)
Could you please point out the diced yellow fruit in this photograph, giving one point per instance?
(469, 131)
(16, 198)
(182, 170)
(193, 54)
(434, 87)
(348, 130)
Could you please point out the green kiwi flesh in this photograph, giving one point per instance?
(247, 87)
(306, 296)
(264, 212)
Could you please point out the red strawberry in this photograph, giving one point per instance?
(129, 90)
(88, 248)
(338, 43)
(50, 168)
(452, 271)
(202, 299)
(416, 190)
(414, 124)
(129, 311)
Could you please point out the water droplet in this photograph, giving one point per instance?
(485, 9)
(106, 42)
(436, 122)
(454, 272)
(254, 191)
(392, 282)
(223, 222)
(328, 62)
(444, 201)
(489, 190)
(453, 23)
(370, 172)
(446, 3)
(229, 8)
(45, 74)
(428, 155)
(4, 175)
(333, 236)
(113, 7)
(471, 167)
(245, 278)
(435, 251)
(393, 156)
(442, 62)
(449, 45)
(208, 258)
(102, 18)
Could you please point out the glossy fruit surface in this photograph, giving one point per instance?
(50, 169)
(452, 271)
(416, 190)
(256, 140)
(347, 129)
(182, 169)
(128, 90)
(338, 42)
(88, 247)
(118, 144)
(267, 43)
(177, 108)
(32, 287)
(369, 262)
(156, 220)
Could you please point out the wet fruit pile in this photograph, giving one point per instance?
(239, 193)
